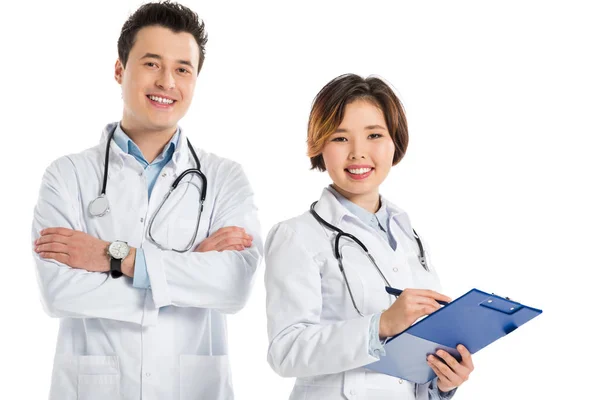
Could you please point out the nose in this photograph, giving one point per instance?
(166, 81)
(357, 151)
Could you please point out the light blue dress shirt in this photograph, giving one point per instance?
(380, 222)
(151, 171)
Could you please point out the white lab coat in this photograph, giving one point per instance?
(164, 343)
(315, 334)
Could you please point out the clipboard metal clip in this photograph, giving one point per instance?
(504, 305)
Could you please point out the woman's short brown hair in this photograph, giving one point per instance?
(328, 107)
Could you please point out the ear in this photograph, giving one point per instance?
(119, 68)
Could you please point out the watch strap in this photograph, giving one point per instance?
(115, 267)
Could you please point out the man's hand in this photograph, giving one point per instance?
(227, 238)
(74, 248)
(451, 373)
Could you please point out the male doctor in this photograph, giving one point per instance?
(140, 286)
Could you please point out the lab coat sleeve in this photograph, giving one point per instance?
(299, 344)
(74, 293)
(216, 280)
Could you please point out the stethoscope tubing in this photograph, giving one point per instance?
(174, 185)
(338, 254)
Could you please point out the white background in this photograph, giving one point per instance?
(501, 175)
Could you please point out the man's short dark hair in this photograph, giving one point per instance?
(173, 16)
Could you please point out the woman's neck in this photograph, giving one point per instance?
(369, 201)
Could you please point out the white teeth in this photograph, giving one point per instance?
(161, 100)
(359, 171)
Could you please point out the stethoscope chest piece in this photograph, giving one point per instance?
(99, 206)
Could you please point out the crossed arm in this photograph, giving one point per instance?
(83, 251)
(70, 264)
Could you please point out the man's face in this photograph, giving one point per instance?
(159, 79)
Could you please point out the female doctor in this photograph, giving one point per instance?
(328, 313)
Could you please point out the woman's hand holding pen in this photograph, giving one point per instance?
(411, 305)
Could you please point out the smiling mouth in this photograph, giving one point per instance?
(358, 174)
(358, 171)
(161, 100)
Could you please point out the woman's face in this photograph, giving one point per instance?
(359, 155)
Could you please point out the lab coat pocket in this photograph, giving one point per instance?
(98, 378)
(353, 385)
(205, 377)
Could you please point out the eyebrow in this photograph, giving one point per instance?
(158, 57)
(340, 130)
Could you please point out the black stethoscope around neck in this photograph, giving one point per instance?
(99, 207)
(338, 254)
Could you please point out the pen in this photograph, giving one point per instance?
(398, 292)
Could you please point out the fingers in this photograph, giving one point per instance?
(57, 231)
(60, 257)
(432, 294)
(456, 373)
(443, 371)
(52, 248)
(452, 362)
(426, 301)
(230, 231)
(227, 238)
(443, 383)
(467, 360)
(50, 238)
(230, 236)
(232, 241)
(437, 371)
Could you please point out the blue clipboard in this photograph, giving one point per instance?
(475, 320)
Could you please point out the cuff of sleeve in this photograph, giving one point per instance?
(441, 395)
(375, 346)
(140, 273)
(158, 279)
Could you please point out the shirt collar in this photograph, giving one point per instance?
(129, 147)
(362, 214)
(332, 211)
(180, 156)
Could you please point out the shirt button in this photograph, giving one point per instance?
(142, 220)
(400, 381)
(142, 173)
(352, 393)
(148, 374)
(164, 174)
(395, 269)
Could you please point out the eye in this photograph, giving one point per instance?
(183, 71)
(375, 135)
(339, 139)
(151, 64)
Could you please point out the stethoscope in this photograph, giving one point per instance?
(99, 207)
(338, 254)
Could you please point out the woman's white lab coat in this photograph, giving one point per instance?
(168, 342)
(315, 333)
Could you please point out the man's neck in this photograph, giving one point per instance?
(151, 143)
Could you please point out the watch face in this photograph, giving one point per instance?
(118, 250)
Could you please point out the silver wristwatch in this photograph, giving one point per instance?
(117, 251)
